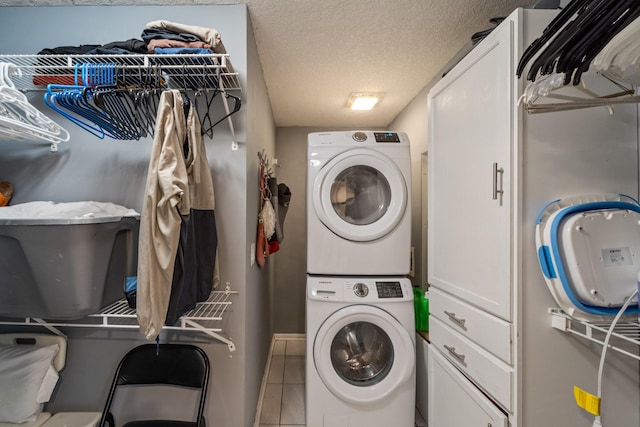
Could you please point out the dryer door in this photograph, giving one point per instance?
(363, 354)
(360, 195)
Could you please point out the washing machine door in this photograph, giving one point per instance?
(360, 195)
(362, 354)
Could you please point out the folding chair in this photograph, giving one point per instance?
(172, 365)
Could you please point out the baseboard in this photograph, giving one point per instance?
(288, 337)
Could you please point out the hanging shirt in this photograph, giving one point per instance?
(177, 245)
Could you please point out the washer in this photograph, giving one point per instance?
(358, 203)
(360, 367)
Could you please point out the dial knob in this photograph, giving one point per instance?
(361, 290)
(359, 136)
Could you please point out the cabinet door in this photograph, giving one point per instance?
(489, 373)
(490, 332)
(470, 175)
(455, 401)
(422, 376)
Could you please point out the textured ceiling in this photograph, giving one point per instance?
(315, 53)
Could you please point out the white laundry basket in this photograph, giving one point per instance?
(589, 253)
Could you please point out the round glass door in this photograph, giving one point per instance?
(360, 195)
(362, 354)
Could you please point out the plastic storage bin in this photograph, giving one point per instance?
(59, 267)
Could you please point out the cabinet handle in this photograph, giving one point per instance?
(453, 318)
(497, 171)
(452, 351)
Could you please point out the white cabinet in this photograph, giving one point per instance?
(466, 405)
(492, 169)
(469, 175)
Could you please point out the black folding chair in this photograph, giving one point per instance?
(174, 365)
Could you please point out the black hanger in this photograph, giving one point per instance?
(594, 36)
(554, 26)
(186, 108)
(236, 108)
(113, 103)
(546, 61)
(206, 118)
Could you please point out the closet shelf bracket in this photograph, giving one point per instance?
(625, 338)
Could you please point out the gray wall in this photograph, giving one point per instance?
(261, 135)
(87, 168)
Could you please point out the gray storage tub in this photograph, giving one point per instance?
(65, 268)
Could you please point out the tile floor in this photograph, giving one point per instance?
(283, 399)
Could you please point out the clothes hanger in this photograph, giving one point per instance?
(58, 98)
(547, 85)
(573, 49)
(236, 107)
(622, 52)
(592, 40)
(132, 98)
(549, 32)
(145, 102)
(112, 102)
(545, 62)
(205, 119)
(102, 109)
(19, 119)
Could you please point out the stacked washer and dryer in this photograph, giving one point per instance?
(360, 328)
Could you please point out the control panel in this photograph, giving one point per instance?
(389, 290)
(360, 290)
(386, 137)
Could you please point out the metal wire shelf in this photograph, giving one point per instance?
(201, 71)
(625, 333)
(118, 315)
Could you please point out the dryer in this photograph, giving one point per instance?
(360, 367)
(358, 203)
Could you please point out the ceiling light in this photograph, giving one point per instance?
(363, 101)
